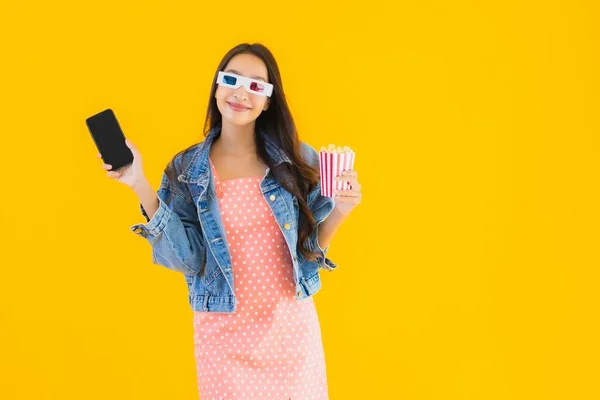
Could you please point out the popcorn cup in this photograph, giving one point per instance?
(334, 160)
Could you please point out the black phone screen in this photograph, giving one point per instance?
(109, 139)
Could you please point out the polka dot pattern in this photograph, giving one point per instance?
(271, 347)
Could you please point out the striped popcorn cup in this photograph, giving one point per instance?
(333, 160)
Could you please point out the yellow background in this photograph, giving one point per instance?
(469, 270)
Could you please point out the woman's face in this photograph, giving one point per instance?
(238, 106)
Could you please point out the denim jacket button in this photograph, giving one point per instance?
(272, 198)
(287, 225)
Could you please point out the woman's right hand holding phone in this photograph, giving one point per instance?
(132, 174)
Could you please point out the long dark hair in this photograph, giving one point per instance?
(298, 178)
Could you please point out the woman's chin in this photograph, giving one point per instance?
(238, 119)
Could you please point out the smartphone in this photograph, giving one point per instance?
(109, 139)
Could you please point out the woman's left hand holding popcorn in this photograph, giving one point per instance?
(346, 200)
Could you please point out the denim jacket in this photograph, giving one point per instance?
(187, 234)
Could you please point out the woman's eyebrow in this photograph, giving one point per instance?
(239, 73)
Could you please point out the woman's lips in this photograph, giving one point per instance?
(237, 107)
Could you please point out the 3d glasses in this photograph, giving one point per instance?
(261, 88)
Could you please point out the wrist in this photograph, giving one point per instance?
(140, 186)
(340, 215)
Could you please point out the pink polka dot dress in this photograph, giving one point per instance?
(270, 347)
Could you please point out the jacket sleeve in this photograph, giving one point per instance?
(320, 206)
(174, 231)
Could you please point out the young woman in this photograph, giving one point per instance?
(241, 215)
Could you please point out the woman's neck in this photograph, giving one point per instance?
(236, 140)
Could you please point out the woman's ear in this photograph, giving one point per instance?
(267, 103)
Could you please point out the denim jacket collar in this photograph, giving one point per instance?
(197, 171)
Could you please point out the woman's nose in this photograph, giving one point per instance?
(241, 92)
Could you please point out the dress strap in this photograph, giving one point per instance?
(214, 170)
(217, 180)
